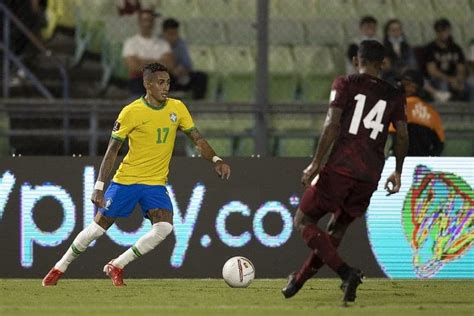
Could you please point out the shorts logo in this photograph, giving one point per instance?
(116, 126)
(173, 117)
(108, 203)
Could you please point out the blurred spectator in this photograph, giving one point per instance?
(445, 62)
(470, 66)
(367, 30)
(399, 53)
(183, 77)
(142, 49)
(128, 7)
(32, 13)
(425, 128)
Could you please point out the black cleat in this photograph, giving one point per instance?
(349, 286)
(291, 287)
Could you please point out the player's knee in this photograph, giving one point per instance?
(162, 230)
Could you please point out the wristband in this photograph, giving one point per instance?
(216, 159)
(99, 185)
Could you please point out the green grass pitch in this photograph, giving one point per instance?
(213, 297)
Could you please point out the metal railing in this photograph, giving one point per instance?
(94, 119)
(9, 56)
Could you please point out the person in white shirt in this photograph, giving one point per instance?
(144, 48)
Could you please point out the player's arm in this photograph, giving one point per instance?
(105, 168)
(206, 151)
(394, 183)
(331, 129)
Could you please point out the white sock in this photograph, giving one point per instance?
(145, 244)
(79, 245)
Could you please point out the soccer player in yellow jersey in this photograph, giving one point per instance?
(150, 124)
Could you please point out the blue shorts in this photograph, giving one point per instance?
(120, 199)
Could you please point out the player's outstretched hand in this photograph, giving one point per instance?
(98, 198)
(393, 183)
(309, 173)
(223, 170)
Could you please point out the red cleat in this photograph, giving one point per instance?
(115, 273)
(52, 277)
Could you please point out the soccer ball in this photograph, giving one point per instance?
(238, 272)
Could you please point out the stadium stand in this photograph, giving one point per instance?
(308, 40)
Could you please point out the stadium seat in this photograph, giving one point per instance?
(283, 77)
(236, 69)
(380, 9)
(60, 13)
(219, 9)
(203, 60)
(458, 147)
(287, 123)
(295, 146)
(339, 54)
(245, 146)
(179, 9)
(242, 123)
(456, 10)
(241, 32)
(111, 55)
(89, 32)
(298, 10)
(420, 9)
(205, 31)
(212, 122)
(468, 28)
(222, 145)
(324, 32)
(286, 32)
(247, 9)
(335, 9)
(413, 32)
(317, 69)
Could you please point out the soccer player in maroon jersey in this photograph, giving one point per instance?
(362, 106)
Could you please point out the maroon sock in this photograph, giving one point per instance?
(312, 264)
(321, 243)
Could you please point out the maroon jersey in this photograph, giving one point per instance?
(369, 105)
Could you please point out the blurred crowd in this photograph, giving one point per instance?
(448, 73)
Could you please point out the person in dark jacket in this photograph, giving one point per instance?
(399, 54)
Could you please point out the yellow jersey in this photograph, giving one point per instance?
(151, 132)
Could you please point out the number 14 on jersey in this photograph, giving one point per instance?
(373, 119)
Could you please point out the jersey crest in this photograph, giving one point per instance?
(173, 117)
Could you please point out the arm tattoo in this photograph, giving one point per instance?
(202, 145)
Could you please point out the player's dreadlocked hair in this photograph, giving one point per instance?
(371, 51)
(154, 67)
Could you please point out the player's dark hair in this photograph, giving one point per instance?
(368, 19)
(441, 25)
(371, 51)
(152, 68)
(170, 24)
